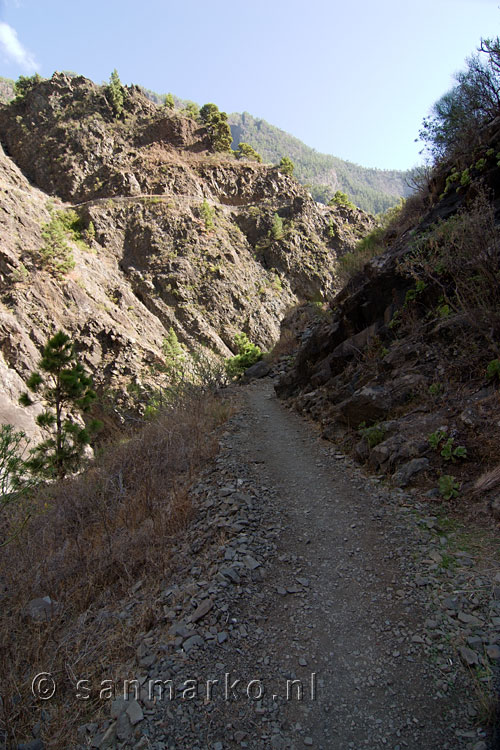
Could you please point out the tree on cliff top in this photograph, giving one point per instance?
(218, 127)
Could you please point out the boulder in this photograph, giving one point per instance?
(258, 370)
(368, 404)
(404, 474)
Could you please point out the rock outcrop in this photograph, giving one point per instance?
(392, 365)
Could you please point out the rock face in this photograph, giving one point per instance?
(167, 233)
(384, 372)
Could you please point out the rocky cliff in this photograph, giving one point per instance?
(117, 229)
(403, 373)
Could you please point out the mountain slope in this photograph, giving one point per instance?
(166, 234)
(374, 190)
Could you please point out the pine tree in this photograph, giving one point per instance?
(218, 127)
(66, 390)
(169, 101)
(286, 165)
(245, 151)
(116, 93)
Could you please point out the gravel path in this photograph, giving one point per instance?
(300, 568)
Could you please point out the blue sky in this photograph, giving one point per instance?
(353, 80)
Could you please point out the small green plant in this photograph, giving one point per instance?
(286, 165)
(412, 294)
(20, 274)
(175, 356)
(465, 178)
(449, 453)
(436, 389)
(453, 177)
(448, 486)
(88, 234)
(436, 438)
(480, 164)
(248, 355)
(65, 390)
(277, 230)
(395, 321)
(443, 309)
(493, 370)
(207, 214)
(373, 434)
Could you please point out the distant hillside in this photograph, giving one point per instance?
(6, 90)
(374, 190)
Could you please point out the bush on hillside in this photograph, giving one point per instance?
(248, 355)
(25, 84)
(245, 151)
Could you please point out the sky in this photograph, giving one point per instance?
(350, 79)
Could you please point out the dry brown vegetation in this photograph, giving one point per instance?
(89, 540)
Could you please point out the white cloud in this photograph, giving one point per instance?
(14, 50)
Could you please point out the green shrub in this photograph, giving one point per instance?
(207, 214)
(341, 199)
(191, 110)
(435, 389)
(493, 370)
(175, 356)
(436, 438)
(374, 434)
(449, 453)
(245, 151)
(277, 230)
(248, 355)
(25, 84)
(460, 257)
(55, 255)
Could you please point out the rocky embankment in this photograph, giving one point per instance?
(165, 234)
(397, 365)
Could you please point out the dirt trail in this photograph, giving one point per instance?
(297, 568)
(358, 626)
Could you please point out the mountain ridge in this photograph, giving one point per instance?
(374, 190)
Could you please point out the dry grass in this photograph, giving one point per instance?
(92, 537)
(487, 481)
